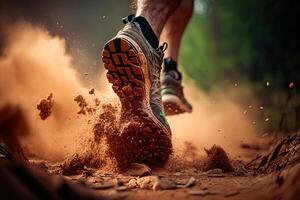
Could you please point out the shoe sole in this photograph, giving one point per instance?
(173, 105)
(142, 137)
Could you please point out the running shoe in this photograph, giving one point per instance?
(172, 94)
(133, 68)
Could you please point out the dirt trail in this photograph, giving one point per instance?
(72, 134)
(264, 177)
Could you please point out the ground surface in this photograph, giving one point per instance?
(272, 175)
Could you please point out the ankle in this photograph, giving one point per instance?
(147, 31)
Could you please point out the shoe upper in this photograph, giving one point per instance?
(154, 61)
(172, 85)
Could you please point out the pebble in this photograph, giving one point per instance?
(164, 184)
(191, 182)
(214, 171)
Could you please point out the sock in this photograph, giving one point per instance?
(170, 65)
(147, 31)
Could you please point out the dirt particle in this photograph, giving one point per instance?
(92, 91)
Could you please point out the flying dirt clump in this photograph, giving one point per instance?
(217, 158)
(92, 91)
(45, 107)
(81, 103)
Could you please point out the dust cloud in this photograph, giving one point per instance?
(36, 64)
(218, 120)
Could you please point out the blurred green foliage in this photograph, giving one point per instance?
(252, 43)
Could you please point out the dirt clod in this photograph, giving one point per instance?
(81, 103)
(217, 158)
(45, 107)
(92, 91)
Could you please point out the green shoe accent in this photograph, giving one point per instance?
(163, 116)
(167, 90)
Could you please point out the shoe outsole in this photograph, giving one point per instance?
(142, 139)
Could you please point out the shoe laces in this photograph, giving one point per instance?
(156, 92)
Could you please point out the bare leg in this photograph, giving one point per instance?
(175, 27)
(156, 12)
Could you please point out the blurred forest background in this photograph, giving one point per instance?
(253, 45)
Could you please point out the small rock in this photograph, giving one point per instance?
(214, 171)
(147, 182)
(164, 184)
(137, 169)
(191, 182)
(132, 183)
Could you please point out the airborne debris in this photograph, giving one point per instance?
(267, 119)
(45, 107)
(81, 103)
(92, 91)
(291, 85)
(97, 102)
